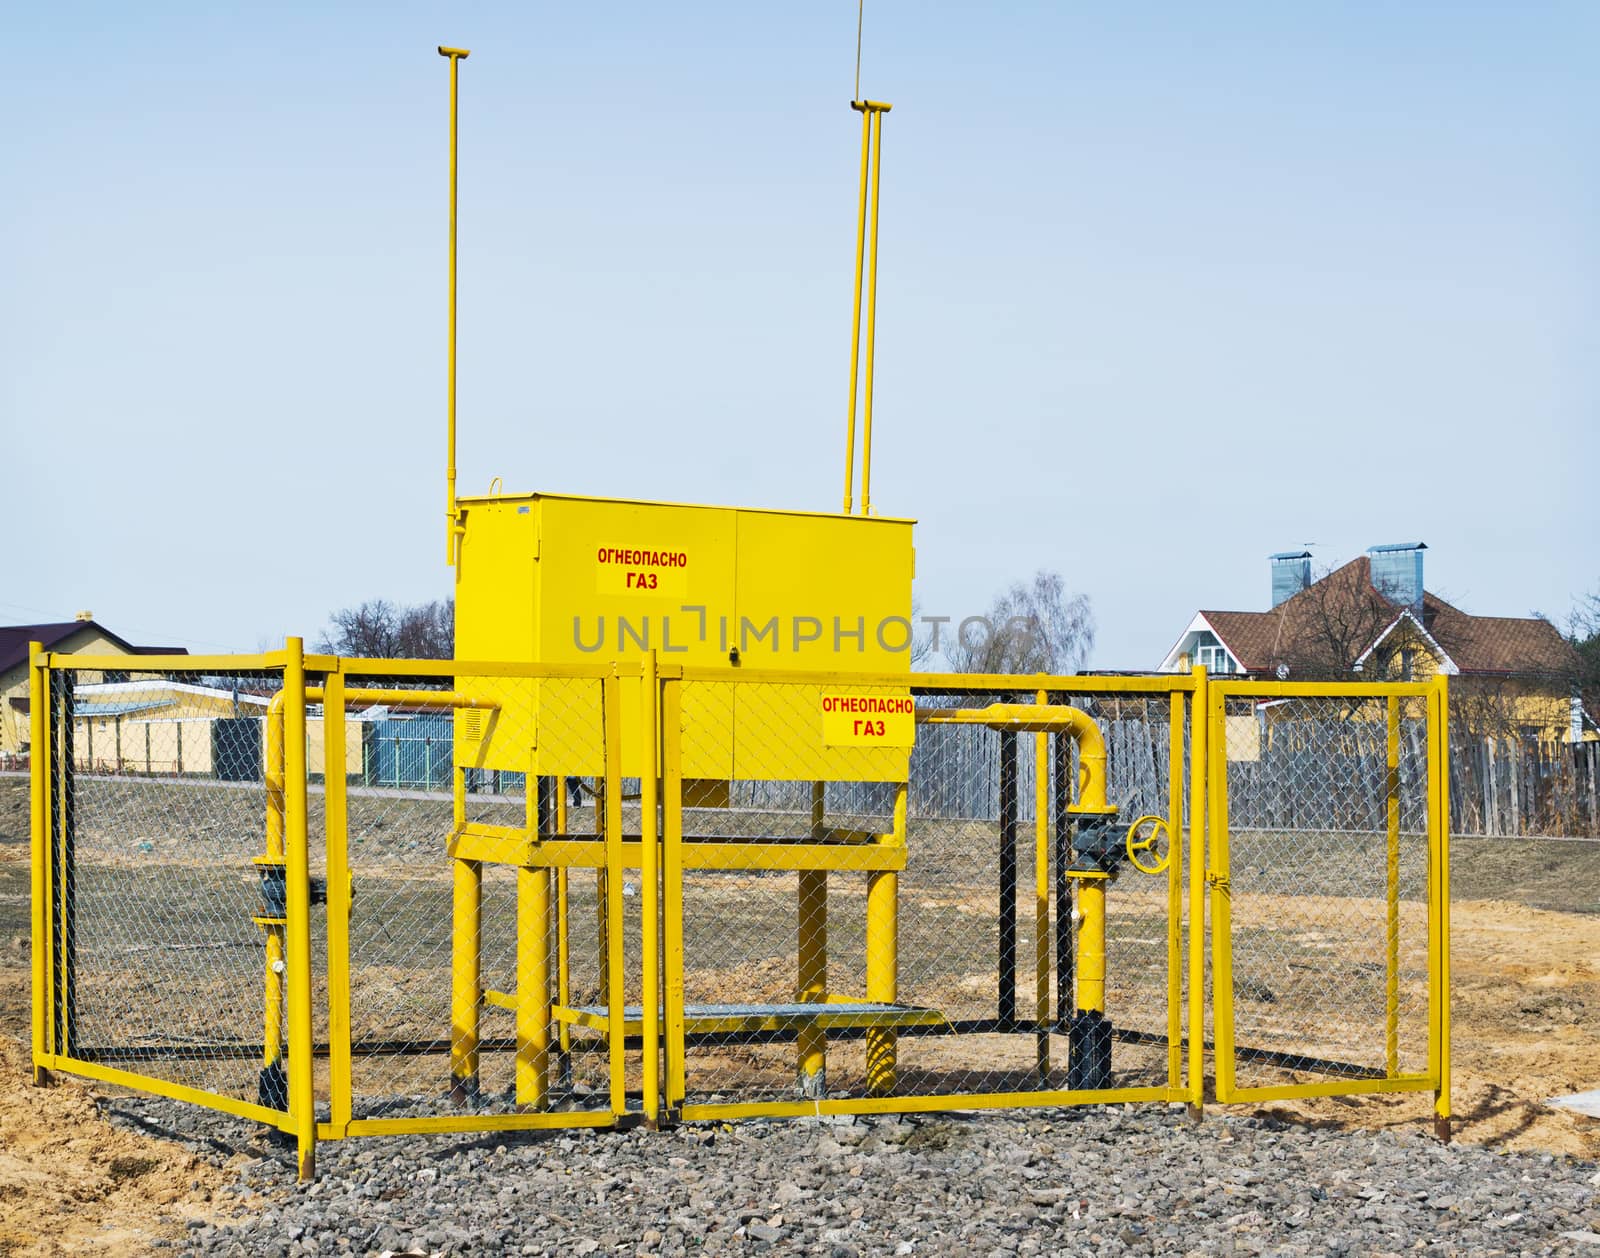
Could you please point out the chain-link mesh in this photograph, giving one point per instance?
(158, 810)
(1328, 857)
(933, 935)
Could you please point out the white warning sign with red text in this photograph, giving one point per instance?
(868, 720)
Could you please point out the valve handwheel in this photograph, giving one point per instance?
(1137, 843)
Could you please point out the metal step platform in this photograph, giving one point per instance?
(740, 1018)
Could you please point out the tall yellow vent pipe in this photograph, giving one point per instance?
(871, 112)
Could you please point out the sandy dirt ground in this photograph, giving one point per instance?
(1526, 958)
(69, 1181)
(1526, 1027)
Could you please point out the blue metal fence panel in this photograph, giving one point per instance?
(417, 753)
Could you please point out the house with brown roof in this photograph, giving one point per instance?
(1512, 675)
(79, 636)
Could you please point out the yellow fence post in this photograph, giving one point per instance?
(1391, 1018)
(672, 883)
(1175, 784)
(1221, 897)
(39, 847)
(563, 942)
(337, 832)
(1041, 896)
(532, 1068)
(1439, 904)
(302, 1096)
(649, 890)
(616, 992)
(811, 979)
(466, 975)
(1199, 749)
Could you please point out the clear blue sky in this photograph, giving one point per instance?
(1164, 288)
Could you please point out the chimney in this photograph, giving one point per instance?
(1397, 573)
(81, 616)
(1291, 573)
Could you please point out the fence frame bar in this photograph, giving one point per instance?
(1439, 905)
(302, 1093)
(39, 763)
(336, 831)
(1176, 725)
(672, 892)
(1199, 740)
(616, 1000)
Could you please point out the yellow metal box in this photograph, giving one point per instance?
(554, 579)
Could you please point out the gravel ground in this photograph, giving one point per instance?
(1103, 1181)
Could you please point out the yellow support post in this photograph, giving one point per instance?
(456, 55)
(466, 963)
(672, 883)
(302, 1095)
(1391, 1019)
(649, 889)
(532, 1018)
(616, 997)
(563, 941)
(533, 988)
(39, 839)
(1439, 903)
(1041, 894)
(602, 897)
(1175, 724)
(883, 962)
(811, 982)
(1221, 895)
(1199, 728)
(336, 824)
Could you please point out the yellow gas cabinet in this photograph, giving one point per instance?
(550, 578)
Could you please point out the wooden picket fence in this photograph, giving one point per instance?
(1516, 787)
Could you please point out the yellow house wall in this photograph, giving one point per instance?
(14, 684)
(110, 745)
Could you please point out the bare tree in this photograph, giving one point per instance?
(1031, 628)
(379, 629)
(1325, 629)
(921, 640)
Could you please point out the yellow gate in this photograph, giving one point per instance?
(926, 892)
(1328, 878)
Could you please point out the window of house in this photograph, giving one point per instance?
(1214, 659)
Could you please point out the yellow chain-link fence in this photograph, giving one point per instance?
(348, 897)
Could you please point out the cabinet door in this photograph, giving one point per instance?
(829, 595)
(619, 578)
(495, 622)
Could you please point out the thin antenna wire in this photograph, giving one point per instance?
(861, 6)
